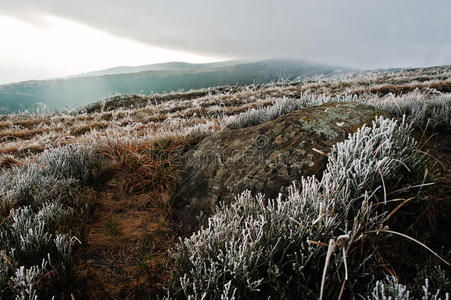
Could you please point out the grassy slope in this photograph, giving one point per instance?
(126, 133)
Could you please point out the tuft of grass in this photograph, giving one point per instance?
(148, 164)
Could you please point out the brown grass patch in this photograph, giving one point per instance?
(27, 123)
(126, 252)
(443, 86)
(156, 119)
(107, 116)
(4, 125)
(79, 130)
(9, 161)
(20, 134)
(22, 149)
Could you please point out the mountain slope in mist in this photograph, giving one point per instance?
(169, 66)
(78, 91)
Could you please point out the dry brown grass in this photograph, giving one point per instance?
(22, 150)
(20, 134)
(156, 119)
(443, 87)
(79, 130)
(5, 125)
(27, 123)
(8, 161)
(133, 225)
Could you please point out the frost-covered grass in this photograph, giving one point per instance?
(210, 110)
(424, 111)
(280, 108)
(42, 205)
(391, 289)
(302, 245)
(433, 113)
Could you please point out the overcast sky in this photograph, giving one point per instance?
(49, 38)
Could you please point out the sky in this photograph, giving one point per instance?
(52, 38)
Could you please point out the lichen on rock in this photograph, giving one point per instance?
(265, 158)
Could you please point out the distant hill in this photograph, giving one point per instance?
(90, 87)
(170, 66)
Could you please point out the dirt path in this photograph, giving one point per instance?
(126, 250)
(125, 255)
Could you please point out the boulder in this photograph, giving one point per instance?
(265, 158)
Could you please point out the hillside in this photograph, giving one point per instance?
(170, 66)
(317, 188)
(80, 90)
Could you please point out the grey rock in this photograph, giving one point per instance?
(265, 158)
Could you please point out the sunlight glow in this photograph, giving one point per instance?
(58, 47)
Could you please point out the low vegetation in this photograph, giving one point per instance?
(43, 212)
(86, 206)
(260, 247)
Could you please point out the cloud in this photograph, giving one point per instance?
(357, 33)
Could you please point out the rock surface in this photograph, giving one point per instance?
(265, 158)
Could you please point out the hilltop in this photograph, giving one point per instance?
(324, 187)
(170, 66)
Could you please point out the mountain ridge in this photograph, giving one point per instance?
(167, 66)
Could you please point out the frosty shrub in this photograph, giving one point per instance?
(24, 280)
(54, 175)
(280, 108)
(375, 154)
(415, 106)
(38, 213)
(28, 187)
(299, 246)
(432, 282)
(71, 162)
(435, 111)
(390, 289)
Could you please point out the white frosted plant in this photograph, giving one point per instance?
(417, 106)
(274, 246)
(28, 232)
(54, 176)
(381, 152)
(432, 295)
(64, 246)
(282, 107)
(390, 289)
(25, 280)
(79, 162)
(30, 186)
(422, 110)
(38, 206)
